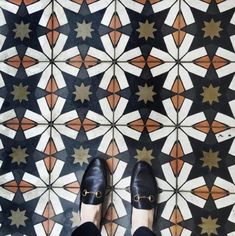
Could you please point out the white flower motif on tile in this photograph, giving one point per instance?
(120, 67)
(45, 130)
(107, 129)
(168, 64)
(188, 126)
(58, 190)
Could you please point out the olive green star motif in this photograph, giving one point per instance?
(18, 155)
(212, 29)
(209, 226)
(18, 218)
(20, 92)
(84, 30)
(146, 30)
(81, 155)
(22, 30)
(210, 94)
(75, 219)
(144, 155)
(210, 159)
(146, 93)
(82, 93)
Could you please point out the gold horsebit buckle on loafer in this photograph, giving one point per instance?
(98, 194)
(137, 198)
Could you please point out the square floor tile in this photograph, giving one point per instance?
(25, 92)
(207, 94)
(24, 26)
(211, 216)
(205, 30)
(79, 99)
(24, 160)
(23, 211)
(93, 29)
(205, 160)
(142, 28)
(139, 94)
(24, 155)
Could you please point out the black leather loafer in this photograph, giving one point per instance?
(94, 182)
(143, 187)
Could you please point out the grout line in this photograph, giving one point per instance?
(51, 94)
(52, 58)
(177, 167)
(52, 50)
(51, 64)
(113, 94)
(177, 120)
(180, 126)
(49, 216)
(51, 98)
(115, 29)
(113, 61)
(113, 115)
(50, 164)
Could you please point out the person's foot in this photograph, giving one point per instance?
(143, 196)
(93, 187)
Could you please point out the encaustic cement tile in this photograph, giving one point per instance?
(203, 98)
(176, 95)
(206, 30)
(25, 158)
(211, 215)
(26, 26)
(93, 29)
(208, 94)
(23, 93)
(205, 160)
(225, 136)
(227, 114)
(140, 94)
(23, 211)
(176, 144)
(83, 99)
(141, 26)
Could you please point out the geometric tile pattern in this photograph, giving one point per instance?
(127, 81)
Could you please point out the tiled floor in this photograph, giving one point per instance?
(126, 80)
